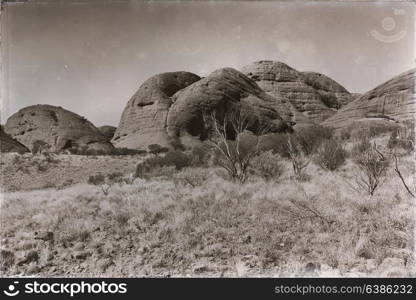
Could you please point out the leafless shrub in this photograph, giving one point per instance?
(372, 169)
(235, 155)
(298, 159)
(267, 165)
(330, 155)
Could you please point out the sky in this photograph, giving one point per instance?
(90, 57)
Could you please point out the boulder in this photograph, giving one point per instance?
(222, 92)
(310, 97)
(107, 131)
(143, 121)
(8, 144)
(392, 101)
(59, 128)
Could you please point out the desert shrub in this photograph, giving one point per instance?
(345, 134)
(232, 146)
(200, 155)
(96, 179)
(331, 155)
(157, 149)
(115, 177)
(298, 159)
(360, 146)
(276, 142)
(236, 156)
(42, 167)
(309, 138)
(177, 145)
(126, 151)
(193, 176)
(396, 142)
(38, 146)
(372, 169)
(267, 165)
(177, 159)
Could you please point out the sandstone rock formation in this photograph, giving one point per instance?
(143, 121)
(220, 92)
(332, 93)
(392, 101)
(108, 131)
(310, 97)
(58, 127)
(169, 107)
(8, 144)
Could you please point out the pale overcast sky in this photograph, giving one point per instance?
(90, 57)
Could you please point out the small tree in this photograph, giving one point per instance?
(234, 154)
(372, 169)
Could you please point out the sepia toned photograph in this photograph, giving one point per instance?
(207, 139)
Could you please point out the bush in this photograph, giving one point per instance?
(310, 138)
(331, 155)
(372, 166)
(115, 177)
(276, 142)
(200, 155)
(361, 146)
(38, 146)
(157, 149)
(127, 151)
(176, 159)
(402, 143)
(96, 179)
(267, 165)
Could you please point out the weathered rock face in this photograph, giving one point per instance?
(8, 144)
(143, 121)
(220, 92)
(169, 107)
(393, 100)
(107, 131)
(58, 127)
(310, 97)
(332, 93)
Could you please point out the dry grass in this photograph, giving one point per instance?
(196, 223)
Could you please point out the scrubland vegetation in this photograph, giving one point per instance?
(308, 203)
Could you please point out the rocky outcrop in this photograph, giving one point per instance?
(8, 144)
(58, 127)
(332, 93)
(143, 121)
(108, 131)
(168, 108)
(221, 92)
(310, 97)
(392, 101)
